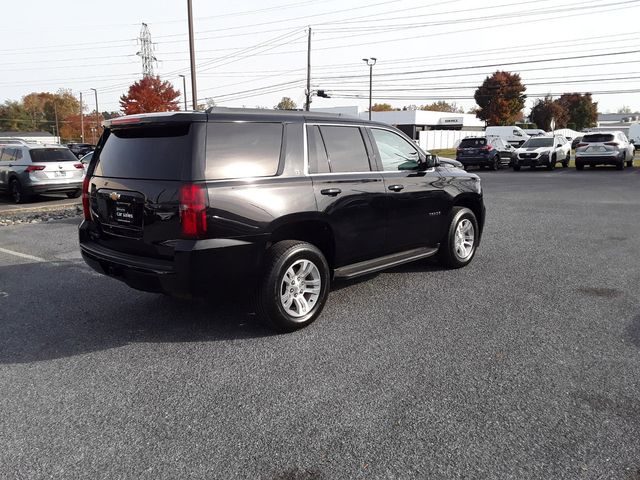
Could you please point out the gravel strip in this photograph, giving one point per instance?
(40, 216)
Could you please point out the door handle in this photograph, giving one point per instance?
(396, 188)
(331, 192)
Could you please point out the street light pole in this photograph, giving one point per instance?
(371, 62)
(97, 111)
(184, 90)
(192, 55)
(81, 119)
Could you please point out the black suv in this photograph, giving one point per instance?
(280, 203)
(80, 149)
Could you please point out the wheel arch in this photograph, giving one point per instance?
(311, 230)
(475, 204)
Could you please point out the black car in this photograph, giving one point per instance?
(478, 151)
(277, 203)
(80, 149)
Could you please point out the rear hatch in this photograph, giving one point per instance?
(55, 165)
(598, 144)
(473, 147)
(135, 185)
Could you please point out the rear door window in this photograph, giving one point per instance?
(236, 150)
(345, 148)
(318, 160)
(157, 152)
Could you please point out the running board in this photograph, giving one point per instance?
(381, 263)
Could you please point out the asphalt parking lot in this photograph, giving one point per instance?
(523, 365)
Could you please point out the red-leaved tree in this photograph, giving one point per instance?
(150, 95)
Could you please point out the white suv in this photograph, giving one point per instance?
(605, 148)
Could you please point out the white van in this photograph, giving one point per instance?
(634, 134)
(513, 135)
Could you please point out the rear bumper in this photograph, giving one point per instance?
(475, 161)
(34, 189)
(613, 159)
(197, 267)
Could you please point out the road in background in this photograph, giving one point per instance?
(523, 365)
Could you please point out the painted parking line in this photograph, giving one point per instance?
(22, 255)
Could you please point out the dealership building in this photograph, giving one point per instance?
(412, 122)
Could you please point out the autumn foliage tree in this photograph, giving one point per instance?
(501, 98)
(545, 110)
(382, 107)
(286, 104)
(582, 110)
(442, 106)
(150, 94)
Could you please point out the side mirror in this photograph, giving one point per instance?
(632, 141)
(431, 161)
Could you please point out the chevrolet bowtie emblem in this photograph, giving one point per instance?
(114, 196)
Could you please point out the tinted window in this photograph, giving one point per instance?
(237, 150)
(318, 161)
(473, 142)
(150, 152)
(395, 152)
(7, 154)
(346, 149)
(52, 155)
(598, 138)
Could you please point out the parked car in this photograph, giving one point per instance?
(478, 151)
(543, 152)
(575, 142)
(80, 149)
(605, 148)
(87, 158)
(506, 150)
(276, 203)
(513, 135)
(27, 170)
(634, 134)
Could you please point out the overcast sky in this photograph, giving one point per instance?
(252, 53)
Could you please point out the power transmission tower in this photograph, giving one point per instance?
(146, 51)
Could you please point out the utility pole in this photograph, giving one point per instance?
(371, 62)
(55, 111)
(184, 90)
(81, 119)
(192, 54)
(146, 51)
(307, 104)
(97, 111)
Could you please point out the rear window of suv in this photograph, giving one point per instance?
(236, 150)
(156, 152)
(598, 138)
(52, 155)
(473, 142)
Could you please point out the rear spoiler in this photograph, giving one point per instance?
(159, 117)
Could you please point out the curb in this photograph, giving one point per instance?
(44, 208)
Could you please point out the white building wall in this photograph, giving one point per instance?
(438, 139)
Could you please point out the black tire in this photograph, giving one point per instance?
(16, 192)
(447, 255)
(629, 163)
(74, 194)
(516, 168)
(620, 165)
(552, 164)
(494, 165)
(579, 165)
(565, 164)
(279, 258)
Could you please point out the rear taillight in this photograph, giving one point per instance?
(85, 198)
(193, 210)
(79, 165)
(612, 144)
(34, 168)
(582, 145)
(488, 148)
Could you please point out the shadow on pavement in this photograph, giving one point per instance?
(49, 312)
